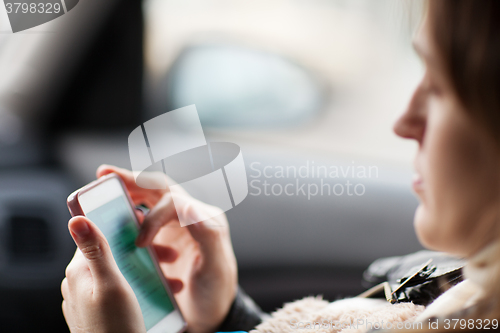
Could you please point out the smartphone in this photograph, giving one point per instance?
(106, 203)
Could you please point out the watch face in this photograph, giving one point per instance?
(24, 14)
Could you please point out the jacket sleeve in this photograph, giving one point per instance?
(243, 315)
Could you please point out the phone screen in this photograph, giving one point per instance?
(114, 218)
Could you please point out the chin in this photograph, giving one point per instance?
(426, 233)
(433, 234)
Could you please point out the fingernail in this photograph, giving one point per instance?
(80, 228)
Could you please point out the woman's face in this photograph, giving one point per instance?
(457, 164)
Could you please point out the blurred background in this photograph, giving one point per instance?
(295, 83)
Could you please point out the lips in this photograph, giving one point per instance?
(418, 183)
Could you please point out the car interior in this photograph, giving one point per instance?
(308, 90)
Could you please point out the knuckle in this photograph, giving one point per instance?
(93, 252)
(217, 211)
(74, 269)
(69, 272)
(212, 232)
(64, 285)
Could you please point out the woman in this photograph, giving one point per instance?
(454, 116)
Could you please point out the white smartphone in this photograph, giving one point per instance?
(107, 204)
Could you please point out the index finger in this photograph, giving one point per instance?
(139, 195)
(161, 214)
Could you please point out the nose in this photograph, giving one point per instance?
(411, 124)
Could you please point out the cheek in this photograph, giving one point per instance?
(459, 167)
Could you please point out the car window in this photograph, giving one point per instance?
(324, 75)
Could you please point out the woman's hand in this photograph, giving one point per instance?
(97, 298)
(200, 256)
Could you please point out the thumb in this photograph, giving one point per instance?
(94, 247)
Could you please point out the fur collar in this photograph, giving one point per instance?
(313, 314)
